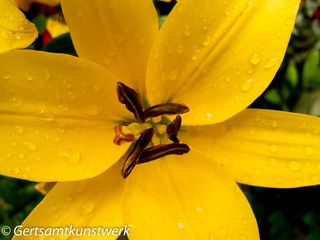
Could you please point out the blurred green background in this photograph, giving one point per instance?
(282, 214)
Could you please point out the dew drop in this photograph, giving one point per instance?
(6, 77)
(309, 151)
(19, 129)
(274, 124)
(96, 88)
(227, 12)
(223, 232)
(270, 63)
(209, 116)
(206, 41)
(90, 110)
(187, 31)
(16, 102)
(72, 158)
(247, 85)
(87, 208)
(15, 170)
(29, 77)
(180, 225)
(174, 75)
(255, 59)
(272, 161)
(198, 210)
(294, 165)
(273, 148)
(31, 146)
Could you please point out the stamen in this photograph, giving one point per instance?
(160, 151)
(131, 99)
(173, 129)
(121, 137)
(165, 108)
(131, 157)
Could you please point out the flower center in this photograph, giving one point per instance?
(150, 121)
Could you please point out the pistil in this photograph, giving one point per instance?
(121, 137)
(139, 151)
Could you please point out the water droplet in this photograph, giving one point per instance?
(206, 41)
(180, 225)
(272, 161)
(274, 124)
(255, 59)
(227, 12)
(294, 165)
(271, 63)
(16, 102)
(273, 148)
(72, 158)
(96, 88)
(29, 77)
(209, 116)
(87, 208)
(195, 55)
(31, 146)
(19, 129)
(289, 22)
(71, 95)
(247, 85)
(223, 232)
(6, 77)
(45, 113)
(174, 75)
(187, 31)
(90, 110)
(15, 170)
(309, 151)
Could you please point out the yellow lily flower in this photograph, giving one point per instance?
(58, 115)
(15, 30)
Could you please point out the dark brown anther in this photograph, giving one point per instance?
(153, 153)
(173, 129)
(131, 157)
(131, 99)
(166, 108)
(121, 137)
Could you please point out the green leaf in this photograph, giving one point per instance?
(311, 71)
(41, 23)
(61, 44)
(292, 75)
(273, 96)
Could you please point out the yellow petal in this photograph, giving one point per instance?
(15, 30)
(57, 115)
(116, 34)
(56, 28)
(44, 187)
(88, 203)
(186, 197)
(263, 147)
(217, 57)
